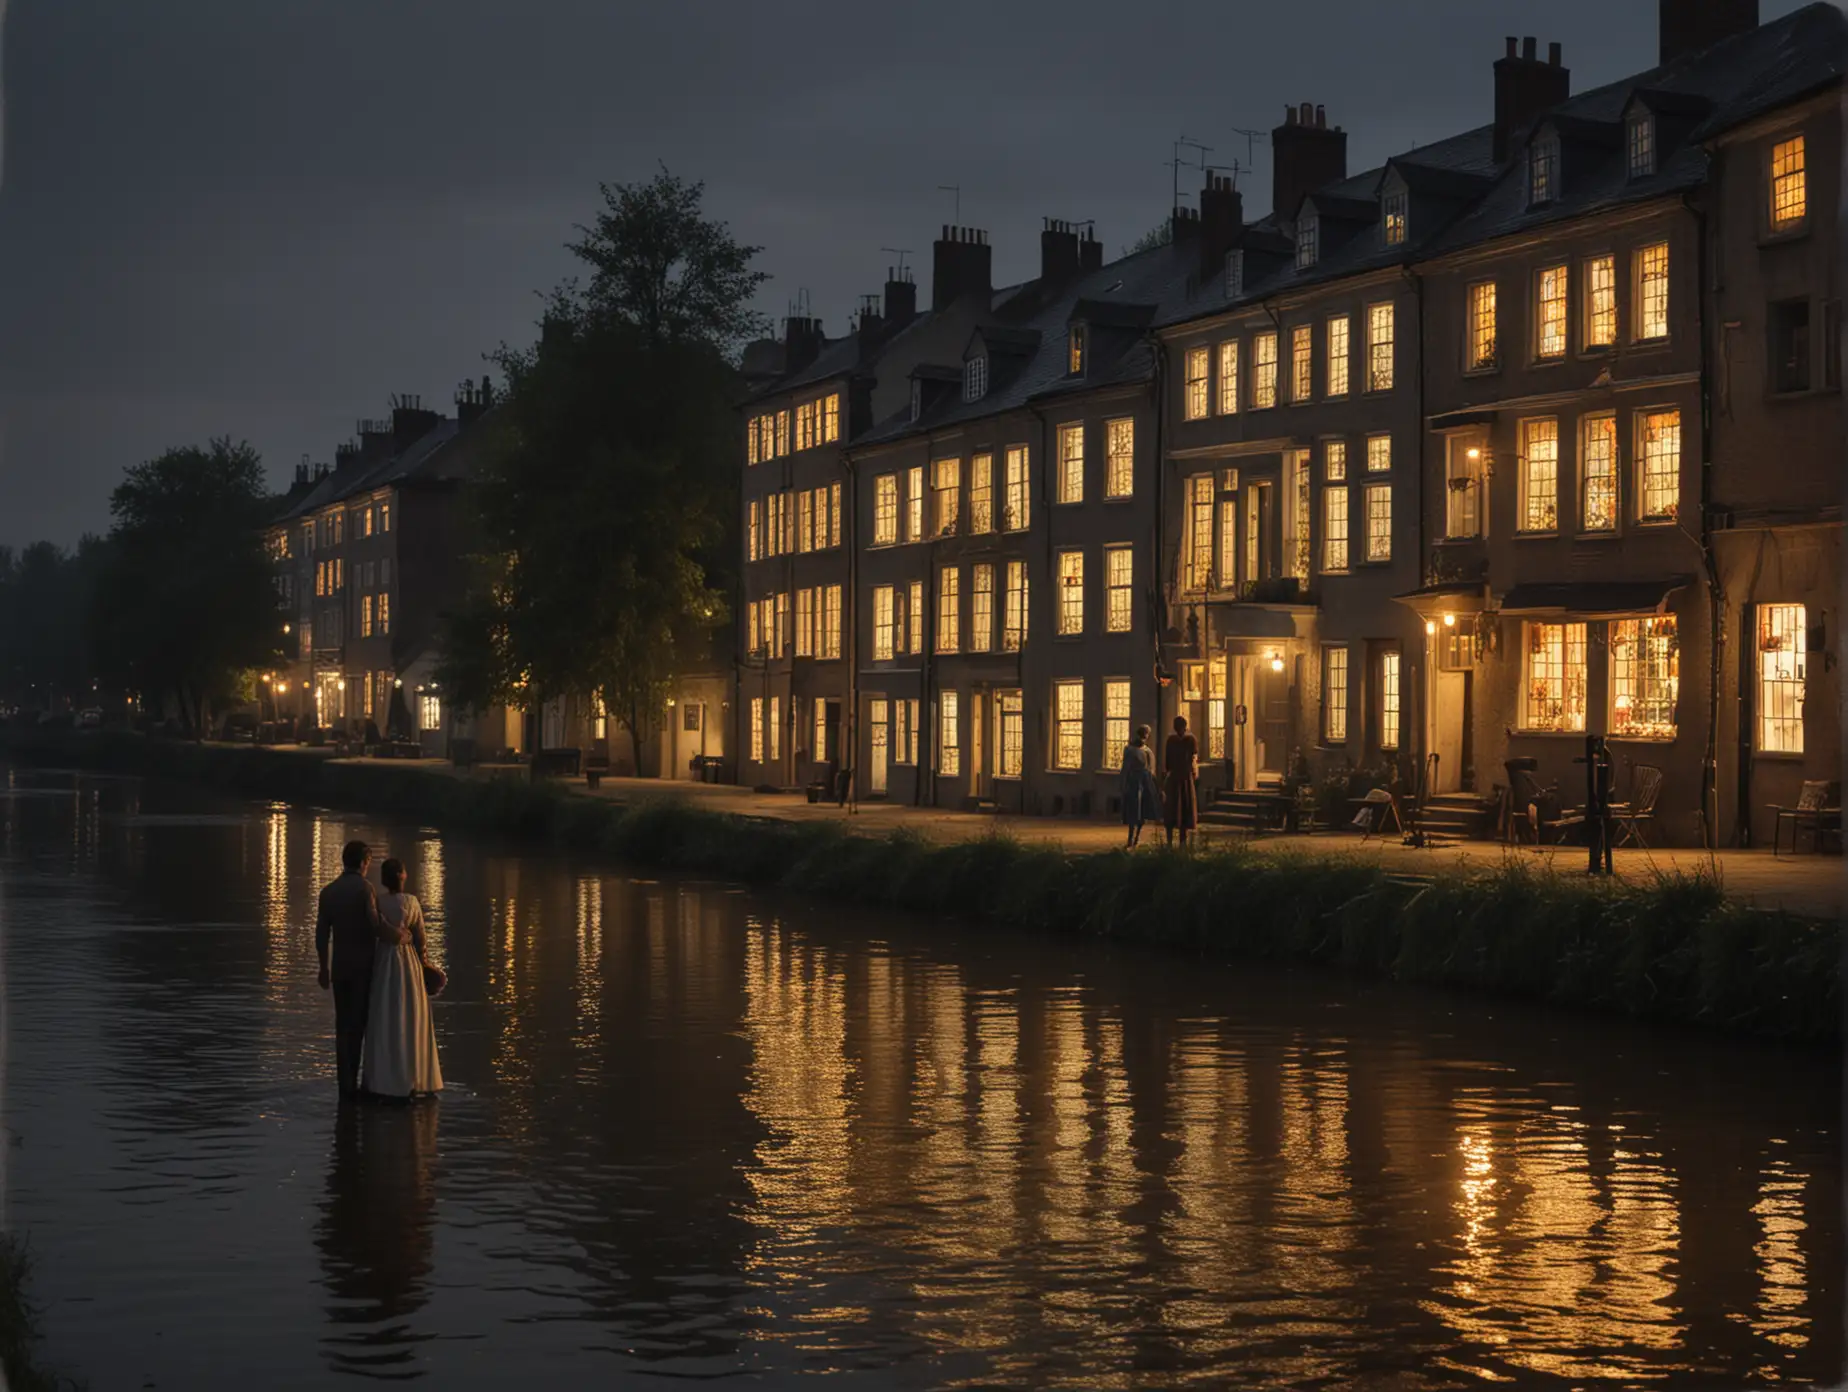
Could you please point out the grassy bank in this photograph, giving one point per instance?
(19, 1333)
(1673, 949)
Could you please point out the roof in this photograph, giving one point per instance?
(1723, 86)
(421, 460)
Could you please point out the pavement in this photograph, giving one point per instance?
(1808, 884)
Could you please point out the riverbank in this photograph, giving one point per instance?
(1670, 948)
(19, 1330)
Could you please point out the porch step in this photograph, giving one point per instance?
(1241, 811)
(1462, 816)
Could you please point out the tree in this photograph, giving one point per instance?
(605, 507)
(185, 603)
(1159, 235)
(46, 660)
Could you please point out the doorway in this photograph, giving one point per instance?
(879, 728)
(1260, 740)
(1449, 727)
(978, 766)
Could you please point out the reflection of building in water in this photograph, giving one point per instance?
(430, 884)
(1784, 1295)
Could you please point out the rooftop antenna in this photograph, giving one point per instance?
(1252, 137)
(901, 253)
(956, 191)
(1186, 143)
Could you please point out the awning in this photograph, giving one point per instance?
(1457, 597)
(1462, 420)
(1594, 598)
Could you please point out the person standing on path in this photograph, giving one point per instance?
(348, 923)
(1180, 761)
(1141, 796)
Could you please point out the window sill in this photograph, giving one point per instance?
(1486, 370)
(1067, 772)
(1643, 739)
(1596, 352)
(1538, 363)
(1550, 734)
(1546, 534)
(1772, 237)
(1660, 524)
(1782, 756)
(1606, 534)
(1119, 498)
(1647, 345)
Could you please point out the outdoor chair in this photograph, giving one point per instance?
(1526, 796)
(1819, 807)
(1376, 811)
(1633, 816)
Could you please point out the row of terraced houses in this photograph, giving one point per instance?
(1534, 431)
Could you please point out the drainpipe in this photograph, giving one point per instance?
(1716, 599)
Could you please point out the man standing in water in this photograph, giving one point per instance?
(349, 920)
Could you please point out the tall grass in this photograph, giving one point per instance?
(19, 1328)
(1672, 948)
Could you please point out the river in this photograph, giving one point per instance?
(692, 1131)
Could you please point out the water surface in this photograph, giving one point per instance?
(696, 1132)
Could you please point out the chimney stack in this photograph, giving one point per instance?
(410, 422)
(1090, 251)
(901, 297)
(1525, 87)
(1305, 154)
(1058, 252)
(962, 263)
(473, 401)
(802, 340)
(1688, 26)
(1222, 219)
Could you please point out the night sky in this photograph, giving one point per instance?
(262, 217)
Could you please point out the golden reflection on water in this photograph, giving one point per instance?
(588, 978)
(1782, 1276)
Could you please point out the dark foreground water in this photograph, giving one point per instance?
(696, 1133)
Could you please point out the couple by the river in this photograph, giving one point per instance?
(372, 954)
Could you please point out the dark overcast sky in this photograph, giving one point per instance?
(261, 217)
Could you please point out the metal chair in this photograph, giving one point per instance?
(1632, 816)
(1818, 808)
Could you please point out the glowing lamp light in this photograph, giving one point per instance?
(1474, 453)
(1276, 662)
(397, 681)
(1450, 621)
(1430, 627)
(285, 628)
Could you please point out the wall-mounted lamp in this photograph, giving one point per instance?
(1276, 661)
(1430, 627)
(1450, 621)
(397, 681)
(285, 628)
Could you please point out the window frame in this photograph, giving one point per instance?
(1543, 169)
(1531, 490)
(1600, 266)
(1788, 656)
(1197, 371)
(1382, 312)
(1395, 216)
(1069, 483)
(1574, 637)
(1333, 729)
(1264, 386)
(1119, 587)
(1302, 364)
(1068, 566)
(1066, 725)
(1640, 281)
(1639, 434)
(1800, 220)
(1590, 421)
(1640, 144)
(1119, 458)
(1481, 328)
(1563, 304)
(1337, 372)
(1637, 671)
(1228, 376)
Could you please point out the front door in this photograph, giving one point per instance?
(1449, 718)
(879, 727)
(978, 766)
(1271, 714)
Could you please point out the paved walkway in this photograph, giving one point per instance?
(1806, 884)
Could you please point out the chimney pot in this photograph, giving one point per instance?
(1321, 117)
(1527, 47)
(1511, 46)
(1555, 53)
(1289, 115)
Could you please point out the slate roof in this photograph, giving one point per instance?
(1719, 88)
(418, 460)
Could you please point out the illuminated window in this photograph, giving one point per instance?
(1652, 292)
(365, 616)
(1789, 184)
(1379, 347)
(1071, 593)
(914, 503)
(1074, 350)
(819, 749)
(1335, 507)
(1338, 355)
(782, 446)
(885, 509)
(1308, 240)
(1071, 463)
(982, 608)
(805, 623)
(949, 610)
(1200, 531)
(805, 425)
(1598, 474)
(774, 722)
(1481, 329)
(1389, 700)
(1120, 457)
(834, 514)
(757, 729)
(1119, 568)
(831, 418)
(1550, 313)
(1659, 448)
(1068, 725)
(1116, 717)
(831, 623)
(1393, 217)
(384, 614)
(1539, 475)
(1014, 506)
(975, 379)
(805, 521)
(1196, 383)
(1264, 371)
(1543, 169)
(1600, 302)
(1014, 608)
(750, 442)
(1553, 677)
(1298, 544)
(1216, 708)
(982, 493)
(1334, 695)
(1256, 496)
(1379, 522)
(1645, 677)
(753, 642)
(780, 632)
(905, 732)
(753, 530)
(949, 733)
(1641, 144)
(365, 522)
(1783, 639)
(1013, 734)
(949, 495)
(429, 712)
(1228, 377)
(885, 623)
(385, 517)
(1226, 570)
(1379, 454)
(914, 615)
(1302, 363)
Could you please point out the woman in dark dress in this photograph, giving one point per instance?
(1181, 762)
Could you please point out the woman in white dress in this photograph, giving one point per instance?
(400, 1035)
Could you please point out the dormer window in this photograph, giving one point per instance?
(1640, 141)
(1393, 217)
(1235, 273)
(1543, 169)
(975, 379)
(1308, 240)
(1074, 353)
(917, 398)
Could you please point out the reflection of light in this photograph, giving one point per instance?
(1781, 1266)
